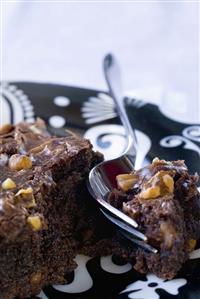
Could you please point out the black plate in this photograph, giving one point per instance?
(91, 113)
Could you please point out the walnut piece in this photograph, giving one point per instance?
(19, 162)
(192, 244)
(8, 184)
(35, 130)
(5, 129)
(34, 222)
(168, 233)
(126, 181)
(169, 182)
(36, 278)
(26, 195)
(160, 184)
(151, 192)
(155, 160)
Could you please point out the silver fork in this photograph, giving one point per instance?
(102, 178)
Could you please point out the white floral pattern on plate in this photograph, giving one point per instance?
(147, 289)
(99, 108)
(111, 141)
(16, 105)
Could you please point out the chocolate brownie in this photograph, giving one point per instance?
(47, 216)
(164, 200)
(44, 210)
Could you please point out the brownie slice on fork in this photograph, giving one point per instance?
(164, 200)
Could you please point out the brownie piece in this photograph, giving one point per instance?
(164, 200)
(44, 210)
(47, 216)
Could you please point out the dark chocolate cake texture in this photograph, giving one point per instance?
(164, 200)
(44, 217)
(47, 216)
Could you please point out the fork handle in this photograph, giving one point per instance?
(113, 78)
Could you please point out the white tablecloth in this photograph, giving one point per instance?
(156, 44)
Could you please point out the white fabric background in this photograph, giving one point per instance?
(157, 45)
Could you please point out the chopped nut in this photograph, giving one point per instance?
(192, 244)
(155, 160)
(40, 147)
(36, 278)
(169, 182)
(5, 129)
(18, 162)
(23, 192)
(35, 130)
(126, 181)
(8, 184)
(160, 184)
(168, 232)
(151, 192)
(26, 195)
(34, 222)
